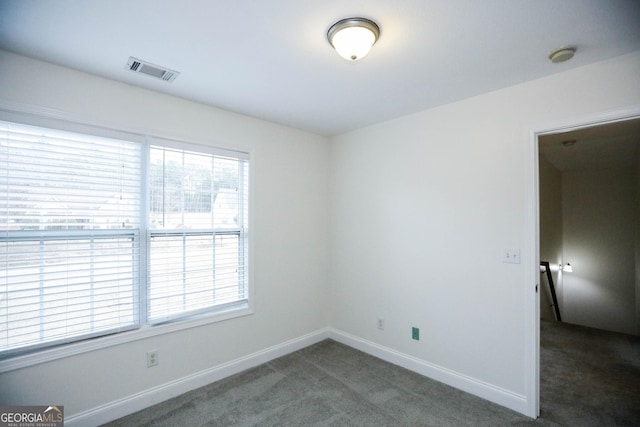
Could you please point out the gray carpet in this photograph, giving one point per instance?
(588, 378)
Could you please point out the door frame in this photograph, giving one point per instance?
(532, 295)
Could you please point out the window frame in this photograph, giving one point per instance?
(239, 231)
(72, 123)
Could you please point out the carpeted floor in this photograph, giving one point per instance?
(588, 378)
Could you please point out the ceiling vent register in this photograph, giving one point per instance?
(138, 66)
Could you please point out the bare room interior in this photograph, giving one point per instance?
(217, 212)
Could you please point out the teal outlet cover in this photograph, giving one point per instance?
(415, 333)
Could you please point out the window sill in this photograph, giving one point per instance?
(67, 350)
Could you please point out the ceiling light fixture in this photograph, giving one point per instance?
(353, 38)
(562, 54)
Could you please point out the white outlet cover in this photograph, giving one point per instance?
(152, 358)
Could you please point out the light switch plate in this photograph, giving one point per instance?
(511, 256)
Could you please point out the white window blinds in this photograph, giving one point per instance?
(69, 236)
(102, 234)
(198, 217)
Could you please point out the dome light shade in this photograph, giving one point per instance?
(353, 38)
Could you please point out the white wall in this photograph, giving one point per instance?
(290, 237)
(550, 180)
(599, 236)
(422, 206)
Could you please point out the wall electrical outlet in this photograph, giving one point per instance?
(415, 333)
(152, 358)
(381, 323)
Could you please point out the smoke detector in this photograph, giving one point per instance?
(139, 66)
(562, 54)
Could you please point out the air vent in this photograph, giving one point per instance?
(152, 70)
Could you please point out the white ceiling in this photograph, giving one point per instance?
(607, 146)
(271, 59)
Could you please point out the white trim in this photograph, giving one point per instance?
(198, 148)
(576, 123)
(532, 282)
(532, 239)
(455, 379)
(136, 402)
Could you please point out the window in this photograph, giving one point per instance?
(100, 235)
(197, 223)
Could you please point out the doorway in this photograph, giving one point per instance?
(589, 188)
(539, 134)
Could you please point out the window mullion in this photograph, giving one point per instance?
(92, 281)
(145, 238)
(184, 271)
(41, 285)
(215, 235)
(184, 236)
(242, 250)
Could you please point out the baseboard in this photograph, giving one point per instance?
(465, 383)
(133, 403)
